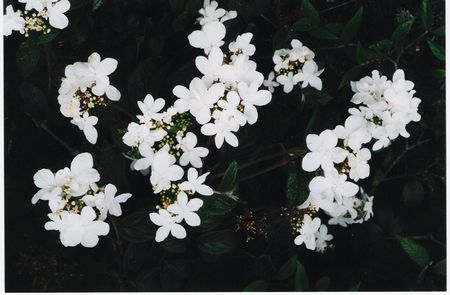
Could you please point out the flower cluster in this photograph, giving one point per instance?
(293, 66)
(161, 145)
(338, 155)
(85, 86)
(226, 96)
(38, 16)
(78, 205)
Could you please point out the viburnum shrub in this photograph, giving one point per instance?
(169, 144)
(256, 145)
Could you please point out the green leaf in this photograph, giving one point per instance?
(256, 286)
(351, 74)
(381, 45)
(440, 32)
(27, 58)
(320, 96)
(35, 102)
(217, 242)
(416, 252)
(311, 11)
(288, 269)
(301, 281)
(440, 268)
(228, 182)
(413, 193)
(439, 73)
(351, 27)
(322, 284)
(437, 50)
(323, 33)
(400, 33)
(174, 245)
(96, 4)
(303, 24)
(136, 227)
(297, 186)
(425, 14)
(213, 210)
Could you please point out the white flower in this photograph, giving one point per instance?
(270, 83)
(355, 132)
(70, 106)
(242, 69)
(37, 5)
(150, 108)
(203, 99)
(140, 134)
(195, 184)
(252, 97)
(369, 90)
(242, 45)
(309, 75)
(209, 36)
(147, 157)
(97, 72)
(222, 129)
(12, 21)
(322, 237)
(300, 52)
(340, 220)
(324, 152)
(56, 16)
(78, 228)
(50, 188)
(191, 153)
(186, 210)
(87, 123)
(333, 185)
(107, 202)
(168, 224)
(210, 66)
(82, 175)
(359, 169)
(308, 232)
(210, 12)
(164, 171)
(287, 82)
(368, 205)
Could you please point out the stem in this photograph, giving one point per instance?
(273, 167)
(44, 127)
(337, 6)
(395, 162)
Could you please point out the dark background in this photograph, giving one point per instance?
(149, 40)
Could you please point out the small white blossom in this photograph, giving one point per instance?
(195, 182)
(186, 209)
(167, 224)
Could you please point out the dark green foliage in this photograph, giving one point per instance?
(401, 248)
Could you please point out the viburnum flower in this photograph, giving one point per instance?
(309, 75)
(300, 52)
(287, 82)
(147, 157)
(210, 13)
(359, 169)
(324, 152)
(322, 237)
(78, 229)
(252, 97)
(87, 123)
(211, 65)
(270, 83)
(150, 108)
(186, 209)
(12, 21)
(82, 174)
(107, 201)
(333, 185)
(195, 184)
(50, 188)
(222, 129)
(211, 35)
(308, 232)
(243, 45)
(164, 171)
(355, 132)
(37, 5)
(56, 16)
(191, 153)
(167, 224)
(203, 100)
(369, 90)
